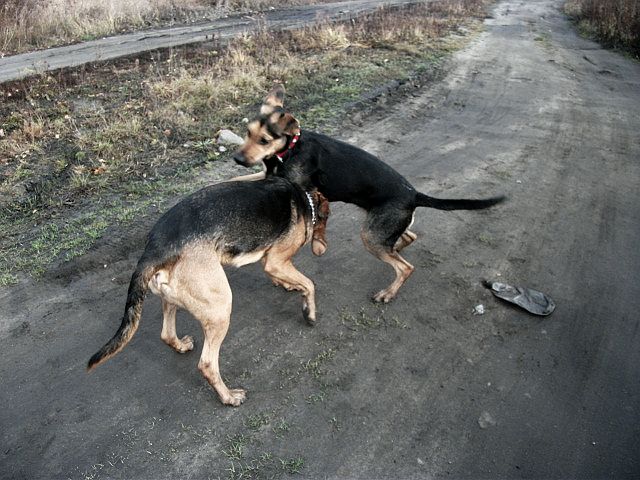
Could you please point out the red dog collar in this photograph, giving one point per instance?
(292, 144)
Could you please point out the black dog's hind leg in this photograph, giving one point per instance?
(383, 232)
(406, 239)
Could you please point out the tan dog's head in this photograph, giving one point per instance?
(267, 134)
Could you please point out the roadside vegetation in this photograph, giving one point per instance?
(616, 23)
(86, 150)
(34, 24)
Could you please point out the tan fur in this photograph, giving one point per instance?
(284, 123)
(402, 268)
(254, 153)
(273, 100)
(197, 283)
(252, 177)
(243, 259)
(259, 143)
(406, 239)
(253, 150)
(279, 267)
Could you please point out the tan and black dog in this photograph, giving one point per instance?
(343, 173)
(233, 223)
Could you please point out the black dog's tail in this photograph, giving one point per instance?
(423, 200)
(133, 310)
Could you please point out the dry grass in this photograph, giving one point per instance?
(33, 24)
(229, 84)
(614, 22)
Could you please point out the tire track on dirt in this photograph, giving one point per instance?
(534, 118)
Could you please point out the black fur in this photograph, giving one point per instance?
(242, 217)
(345, 173)
(135, 297)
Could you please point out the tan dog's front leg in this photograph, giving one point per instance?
(287, 275)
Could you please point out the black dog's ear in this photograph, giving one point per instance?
(275, 99)
(284, 124)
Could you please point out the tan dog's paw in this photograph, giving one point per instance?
(236, 397)
(308, 316)
(185, 344)
(180, 345)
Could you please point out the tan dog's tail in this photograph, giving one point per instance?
(133, 311)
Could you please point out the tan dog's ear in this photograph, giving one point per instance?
(285, 123)
(275, 99)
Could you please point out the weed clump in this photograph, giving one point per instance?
(614, 22)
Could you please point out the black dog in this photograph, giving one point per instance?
(343, 173)
(232, 223)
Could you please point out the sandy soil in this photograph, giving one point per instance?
(421, 388)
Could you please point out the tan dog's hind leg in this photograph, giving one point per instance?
(168, 335)
(198, 284)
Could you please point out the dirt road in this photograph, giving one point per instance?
(222, 30)
(421, 388)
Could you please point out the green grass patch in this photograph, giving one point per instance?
(281, 428)
(7, 279)
(257, 421)
(235, 447)
(293, 465)
(364, 319)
